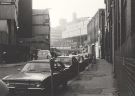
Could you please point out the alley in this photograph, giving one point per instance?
(67, 47)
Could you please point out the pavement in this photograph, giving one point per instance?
(96, 80)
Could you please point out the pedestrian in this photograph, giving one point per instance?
(3, 89)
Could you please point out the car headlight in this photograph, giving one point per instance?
(7, 83)
(38, 85)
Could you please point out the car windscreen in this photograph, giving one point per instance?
(36, 67)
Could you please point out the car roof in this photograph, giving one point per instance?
(73, 55)
(45, 50)
(65, 56)
(40, 61)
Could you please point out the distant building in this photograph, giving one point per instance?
(76, 32)
(76, 28)
(62, 22)
(74, 18)
(56, 36)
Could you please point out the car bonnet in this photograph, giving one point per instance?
(28, 76)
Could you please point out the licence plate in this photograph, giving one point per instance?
(21, 92)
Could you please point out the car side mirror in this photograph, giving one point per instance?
(19, 69)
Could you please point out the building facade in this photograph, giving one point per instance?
(9, 30)
(40, 38)
(41, 29)
(22, 30)
(95, 34)
(25, 19)
(119, 45)
(8, 21)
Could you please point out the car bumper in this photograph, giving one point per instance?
(13, 88)
(26, 91)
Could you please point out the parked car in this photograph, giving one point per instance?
(43, 54)
(79, 57)
(66, 60)
(71, 67)
(34, 79)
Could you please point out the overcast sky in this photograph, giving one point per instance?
(65, 8)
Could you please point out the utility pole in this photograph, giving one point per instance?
(52, 87)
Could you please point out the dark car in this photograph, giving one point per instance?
(66, 60)
(34, 79)
(71, 67)
(79, 57)
(75, 64)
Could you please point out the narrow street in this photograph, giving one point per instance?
(96, 80)
(67, 47)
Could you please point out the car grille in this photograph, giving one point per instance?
(21, 85)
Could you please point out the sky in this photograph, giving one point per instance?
(63, 9)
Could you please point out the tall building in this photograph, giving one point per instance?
(41, 29)
(25, 18)
(40, 38)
